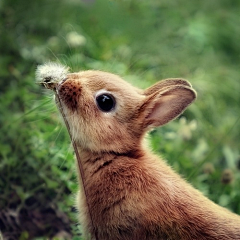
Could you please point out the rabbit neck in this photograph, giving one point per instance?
(93, 162)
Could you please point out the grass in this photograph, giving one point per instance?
(143, 41)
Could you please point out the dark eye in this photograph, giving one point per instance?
(105, 102)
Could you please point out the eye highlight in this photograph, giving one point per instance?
(106, 102)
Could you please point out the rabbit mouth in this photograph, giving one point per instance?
(59, 85)
(61, 82)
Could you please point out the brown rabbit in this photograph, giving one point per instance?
(131, 193)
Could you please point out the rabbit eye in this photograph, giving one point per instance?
(106, 102)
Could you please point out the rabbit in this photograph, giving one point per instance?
(131, 193)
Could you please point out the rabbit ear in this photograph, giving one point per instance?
(161, 85)
(163, 106)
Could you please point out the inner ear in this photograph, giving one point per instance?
(160, 108)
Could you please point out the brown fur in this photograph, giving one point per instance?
(131, 193)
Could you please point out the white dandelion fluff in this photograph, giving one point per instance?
(74, 39)
(50, 74)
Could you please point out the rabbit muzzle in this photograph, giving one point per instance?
(69, 91)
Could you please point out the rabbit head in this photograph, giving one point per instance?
(107, 114)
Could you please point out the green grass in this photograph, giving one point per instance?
(143, 41)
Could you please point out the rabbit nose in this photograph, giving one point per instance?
(61, 82)
(70, 85)
(69, 91)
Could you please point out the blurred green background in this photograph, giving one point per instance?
(143, 41)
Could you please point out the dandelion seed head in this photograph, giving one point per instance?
(75, 39)
(50, 74)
